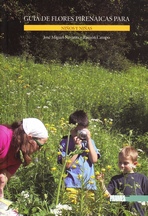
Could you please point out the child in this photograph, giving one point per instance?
(80, 169)
(129, 182)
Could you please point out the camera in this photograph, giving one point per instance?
(82, 134)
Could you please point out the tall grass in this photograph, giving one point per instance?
(51, 92)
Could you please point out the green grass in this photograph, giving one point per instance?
(51, 92)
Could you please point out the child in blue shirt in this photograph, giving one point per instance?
(80, 169)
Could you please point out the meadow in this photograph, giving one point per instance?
(117, 106)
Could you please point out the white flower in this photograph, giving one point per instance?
(58, 210)
(45, 107)
(65, 207)
(96, 120)
(25, 194)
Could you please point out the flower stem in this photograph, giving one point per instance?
(63, 170)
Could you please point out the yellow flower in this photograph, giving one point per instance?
(125, 144)
(64, 175)
(138, 165)
(106, 195)
(74, 166)
(53, 129)
(103, 170)
(53, 168)
(79, 176)
(47, 125)
(92, 177)
(59, 153)
(76, 162)
(91, 182)
(97, 173)
(68, 161)
(86, 150)
(74, 201)
(108, 167)
(85, 158)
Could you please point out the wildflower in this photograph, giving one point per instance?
(79, 176)
(138, 165)
(91, 182)
(74, 201)
(110, 123)
(64, 175)
(45, 107)
(92, 177)
(59, 153)
(58, 210)
(85, 158)
(53, 129)
(97, 173)
(76, 162)
(137, 185)
(47, 125)
(74, 166)
(45, 196)
(106, 195)
(110, 119)
(103, 170)
(25, 194)
(86, 150)
(53, 168)
(125, 144)
(68, 161)
(108, 167)
(98, 120)
(36, 160)
(26, 86)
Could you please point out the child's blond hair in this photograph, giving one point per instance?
(129, 151)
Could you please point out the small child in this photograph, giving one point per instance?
(80, 169)
(129, 182)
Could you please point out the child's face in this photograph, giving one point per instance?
(126, 165)
(75, 130)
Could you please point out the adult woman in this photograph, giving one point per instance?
(19, 138)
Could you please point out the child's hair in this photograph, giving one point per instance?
(79, 117)
(129, 151)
